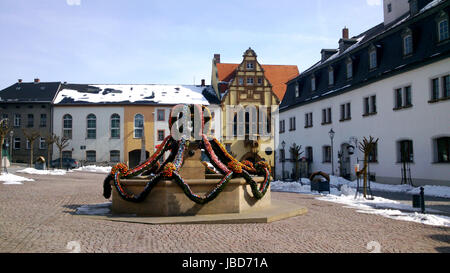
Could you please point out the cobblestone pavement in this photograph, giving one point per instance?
(38, 217)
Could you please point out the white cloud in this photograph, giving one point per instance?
(73, 2)
(373, 2)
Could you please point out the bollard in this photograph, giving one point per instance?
(422, 199)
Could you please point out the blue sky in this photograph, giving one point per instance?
(167, 41)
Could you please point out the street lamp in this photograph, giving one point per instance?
(331, 134)
(283, 144)
(11, 134)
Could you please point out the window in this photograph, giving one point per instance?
(161, 115)
(297, 90)
(42, 143)
(282, 126)
(28, 145)
(292, 125)
(349, 68)
(330, 76)
(115, 126)
(446, 86)
(241, 81)
(43, 122)
(443, 30)
(161, 135)
(326, 154)
(308, 120)
(398, 98)
(435, 89)
(403, 98)
(114, 156)
(346, 112)
(30, 122)
(413, 6)
(138, 126)
(373, 58)
(443, 149)
(91, 156)
(17, 120)
(309, 154)
(67, 126)
(313, 83)
(67, 154)
(260, 81)
(4, 116)
(282, 155)
(370, 105)
(250, 66)
(407, 45)
(389, 8)
(373, 156)
(406, 151)
(17, 143)
(250, 81)
(326, 116)
(91, 126)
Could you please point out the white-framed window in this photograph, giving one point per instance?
(330, 76)
(17, 120)
(67, 126)
(250, 81)
(443, 30)
(114, 156)
(138, 126)
(349, 68)
(313, 83)
(250, 65)
(91, 126)
(407, 45)
(161, 115)
(297, 90)
(42, 143)
(373, 58)
(115, 126)
(91, 156)
(17, 143)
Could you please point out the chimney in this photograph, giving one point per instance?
(217, 58)
(19, 80)
(37, 80)
(203, 82)
(345, 34)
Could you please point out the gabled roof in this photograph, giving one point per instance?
(30, 92)
(278, 75)
(153, 94)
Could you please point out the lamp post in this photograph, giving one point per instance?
(11, 134)
(283, 144)
(331, 134)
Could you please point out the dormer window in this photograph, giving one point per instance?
(313, 83)
(407, 42)
(442, 24)
(373, 57)
(330, 76)
(297, 90)
(414, 9)
(349, 68)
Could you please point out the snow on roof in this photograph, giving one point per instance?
(431, 4)
(127, 93)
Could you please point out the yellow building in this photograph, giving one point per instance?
(249, 84)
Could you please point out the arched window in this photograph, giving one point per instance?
(115, 126)
(91, 126)
(138, 126)
(67, 126)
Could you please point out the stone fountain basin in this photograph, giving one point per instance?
(168, 199)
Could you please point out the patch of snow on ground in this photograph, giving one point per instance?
(11, 179)
(43, 172)
(96, 209)
(94, 169)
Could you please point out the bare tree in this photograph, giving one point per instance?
(61, 143)
(4, 131)
(50, 139)
(296, 154)
(31, 135)
(367, 147)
